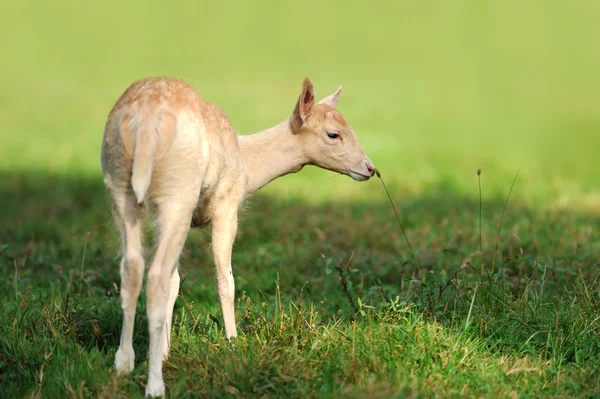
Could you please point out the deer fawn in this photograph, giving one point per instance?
(167, 149)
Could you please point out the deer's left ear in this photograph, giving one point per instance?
(332, 100)
(306, 99)
(304, 105)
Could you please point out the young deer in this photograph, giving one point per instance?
(167, 149)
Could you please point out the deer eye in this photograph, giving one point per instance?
(333, 135)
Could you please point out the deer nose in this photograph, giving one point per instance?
(370, 167)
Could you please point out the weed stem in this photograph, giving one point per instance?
(399, 221)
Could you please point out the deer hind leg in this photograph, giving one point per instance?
(174, 220)
(173, 292)
(127, 218)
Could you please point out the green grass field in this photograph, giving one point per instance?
(331, 302)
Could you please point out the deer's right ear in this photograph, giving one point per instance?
(304, 104)
(332, 100)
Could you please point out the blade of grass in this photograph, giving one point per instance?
(87, 238)
(502, 218)
(399, 222)
(480, 235)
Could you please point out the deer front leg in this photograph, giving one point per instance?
(224, 229)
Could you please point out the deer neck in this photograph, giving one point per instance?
(270, 154)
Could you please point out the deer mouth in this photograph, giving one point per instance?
(357, 175)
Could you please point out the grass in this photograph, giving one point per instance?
(502, 299)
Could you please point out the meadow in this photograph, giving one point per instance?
(500, 295)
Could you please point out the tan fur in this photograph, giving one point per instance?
(167, 149)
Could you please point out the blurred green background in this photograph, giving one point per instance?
(434, 90)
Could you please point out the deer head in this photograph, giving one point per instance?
(328, 140)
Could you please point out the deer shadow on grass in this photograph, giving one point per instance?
(57, 235)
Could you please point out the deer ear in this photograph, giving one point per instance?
(332, 100)
(305, 103)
